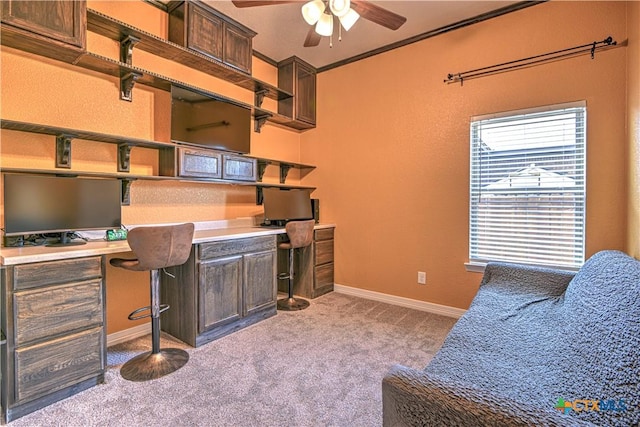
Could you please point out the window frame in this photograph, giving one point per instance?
(476, 264)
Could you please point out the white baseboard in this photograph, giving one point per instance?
(128, 334)
(430, 307)
(443, 310)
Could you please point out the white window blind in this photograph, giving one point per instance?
(527, 186)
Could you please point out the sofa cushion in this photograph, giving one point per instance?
(530, 343)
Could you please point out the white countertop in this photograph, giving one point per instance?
(228, 230)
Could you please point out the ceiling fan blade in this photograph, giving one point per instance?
(313, 38)
(377, 14)
(252, 3)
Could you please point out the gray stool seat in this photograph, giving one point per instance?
(300, 235)
(156, 248)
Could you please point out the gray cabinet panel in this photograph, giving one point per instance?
(236, 246)
(220, 287)
(56, 310)
(53, 365)
(259, 280)
(49, 273)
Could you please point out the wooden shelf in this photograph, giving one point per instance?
(63, 160)
(80, 134)
(284, 168)
(119, 31)
(289, 122)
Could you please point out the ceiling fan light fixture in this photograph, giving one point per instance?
(324, 27)
(349, 19)
(312, 11)
(340, 7)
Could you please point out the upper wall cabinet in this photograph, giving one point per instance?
(53, 28)
(299, 78)
(203, 29)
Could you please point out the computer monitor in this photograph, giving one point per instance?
(281, 206)
(38, 204)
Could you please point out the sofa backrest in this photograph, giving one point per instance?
(599, 334)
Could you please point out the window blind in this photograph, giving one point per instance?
(527, 186)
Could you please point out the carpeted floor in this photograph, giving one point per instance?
(319, 367)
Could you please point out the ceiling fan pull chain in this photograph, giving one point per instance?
(331, 40)
(339, 32)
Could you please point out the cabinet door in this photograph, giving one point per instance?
(238, 168)
(199, 163)
(259, 280)
(305, 94)
(64, 21)
(237, 48)
(204, 31)
(220, 292)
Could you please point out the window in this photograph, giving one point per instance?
(527, 186)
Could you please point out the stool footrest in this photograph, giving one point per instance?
(133, 314)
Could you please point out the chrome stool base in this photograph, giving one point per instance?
(292, 304)
(150, 365)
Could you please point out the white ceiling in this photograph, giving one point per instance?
(282, 30)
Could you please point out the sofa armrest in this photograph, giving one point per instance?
(413, 398)
(522, 278)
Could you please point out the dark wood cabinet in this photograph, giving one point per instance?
(299, 78)
(313, 265)
(55, 346)
(205, 163)
(197, 26)
(54, 28)
(224, 286)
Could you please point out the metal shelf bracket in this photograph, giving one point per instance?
(63, 151)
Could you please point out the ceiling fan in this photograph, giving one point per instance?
(320, 14)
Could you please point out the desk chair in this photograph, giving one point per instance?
(300, 235)
(155, 248)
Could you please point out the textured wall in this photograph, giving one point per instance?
(392, 145)
(633, 111)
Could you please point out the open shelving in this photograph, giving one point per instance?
(64, 136)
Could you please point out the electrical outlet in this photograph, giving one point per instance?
(422, 278)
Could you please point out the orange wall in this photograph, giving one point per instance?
(38, 90)
(392, 144)
(633, 120)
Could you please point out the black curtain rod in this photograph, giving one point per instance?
(532, 60)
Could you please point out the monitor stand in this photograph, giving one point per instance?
(65, 240)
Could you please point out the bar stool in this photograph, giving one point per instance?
(156, 248)
(300, 235)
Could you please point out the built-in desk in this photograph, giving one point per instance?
(53, 306)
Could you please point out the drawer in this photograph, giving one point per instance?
(323, 252)
(44, 368)
(27, 276)
(323, 275)
(236, 246)
(57, 310)
(324, 234)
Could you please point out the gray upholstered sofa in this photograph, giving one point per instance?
(532, 340)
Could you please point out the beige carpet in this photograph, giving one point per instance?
(319, 367)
